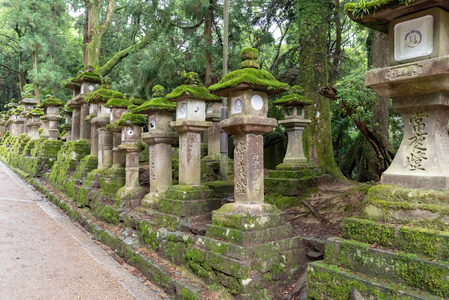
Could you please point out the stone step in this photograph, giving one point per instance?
(330, 282)
(430, 216)
(249, 238)
(294, 174)
(392, 193)
(288, 187)
(429, 243)
(408, 269)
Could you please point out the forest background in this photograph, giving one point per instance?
(138, 44)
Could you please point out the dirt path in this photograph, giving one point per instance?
(44, 256)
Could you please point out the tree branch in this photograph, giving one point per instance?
(109, 14)
(8, 68)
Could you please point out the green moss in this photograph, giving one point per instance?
(188, 295)
(193, 91)
(249, 54)
(86, 76)
(155, 104)
(52, 101)
(149, 236)
(293, 99)
(158, 91)
(361, 8)
(128, 119)
(117, 103)
(103, 95)
(253, 77)
(109, 215)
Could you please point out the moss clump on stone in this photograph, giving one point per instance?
(35, 112)
(52, 101)
(117, 103)
(155, 104)
(128, 119)
(361, 8)
(86, 76)
(192, 88)
(103, 95)
(292, 100)
(158, 91)
(249, 53)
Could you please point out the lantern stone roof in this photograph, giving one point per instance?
(86, 76)
(51, 101)
(117, 103)
(248, 77)
(67, 110)
(158, 102)
(294, 98)
(192, 89)
(103, 95)
(35, 112)
(28, 100)
(378, 14)
(129, 119)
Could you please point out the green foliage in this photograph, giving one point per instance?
(363, 7)
(354, 96)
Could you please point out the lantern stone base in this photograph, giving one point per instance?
(382, 256)
(184, 207)
(249, 248)
(130, 196)
(293, 179)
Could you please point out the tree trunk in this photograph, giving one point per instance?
(208, 41)
(337, 50)
(36, 87)
(313, 17)
(370, 165)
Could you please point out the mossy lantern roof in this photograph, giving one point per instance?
(192, 90)
(67, 110)
(51, 101)
(293, 99)
(378, 14)
(35, 112)
(28, 100)
(103, 95)
(157, 103)
(11, 104)
(248, 77)
(130, 119)
(86, 76)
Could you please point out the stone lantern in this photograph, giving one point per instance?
(100, 118)
(75, 106)
(118, 107)
(35, 123)
(67, 126)
(2, 124)
(294, 123)
(28, 104)
(86, 80)
(190, 122)
(159, 138)
(404, 216)
(52, 105)
(132, 193)
(253, 223)
(11, 123)
(20, 120)
(213, 114)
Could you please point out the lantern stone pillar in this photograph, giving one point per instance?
(213, 114)
(35, 123)
(131, 194)
(160, 136)
(67, 126)
(52, 117)
(28, 104)
(75, 106)
(256, 224)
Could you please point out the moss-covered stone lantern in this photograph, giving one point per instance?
(294, 123)
(52, 117)
(118, 107)
(190, 121)
(159, 138)
(132, 193)
(67, 126)
(3, 118)
(101, 136)
(249, 224)
(20, 120)
(12, 121)
(35, 123)
(75, 106)
(87, 80)
(384, 253)
(28, 103)
(213, 114)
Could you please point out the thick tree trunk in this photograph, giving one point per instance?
(208, 41)
(36, 87)
(313, 16)
(375, 159)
